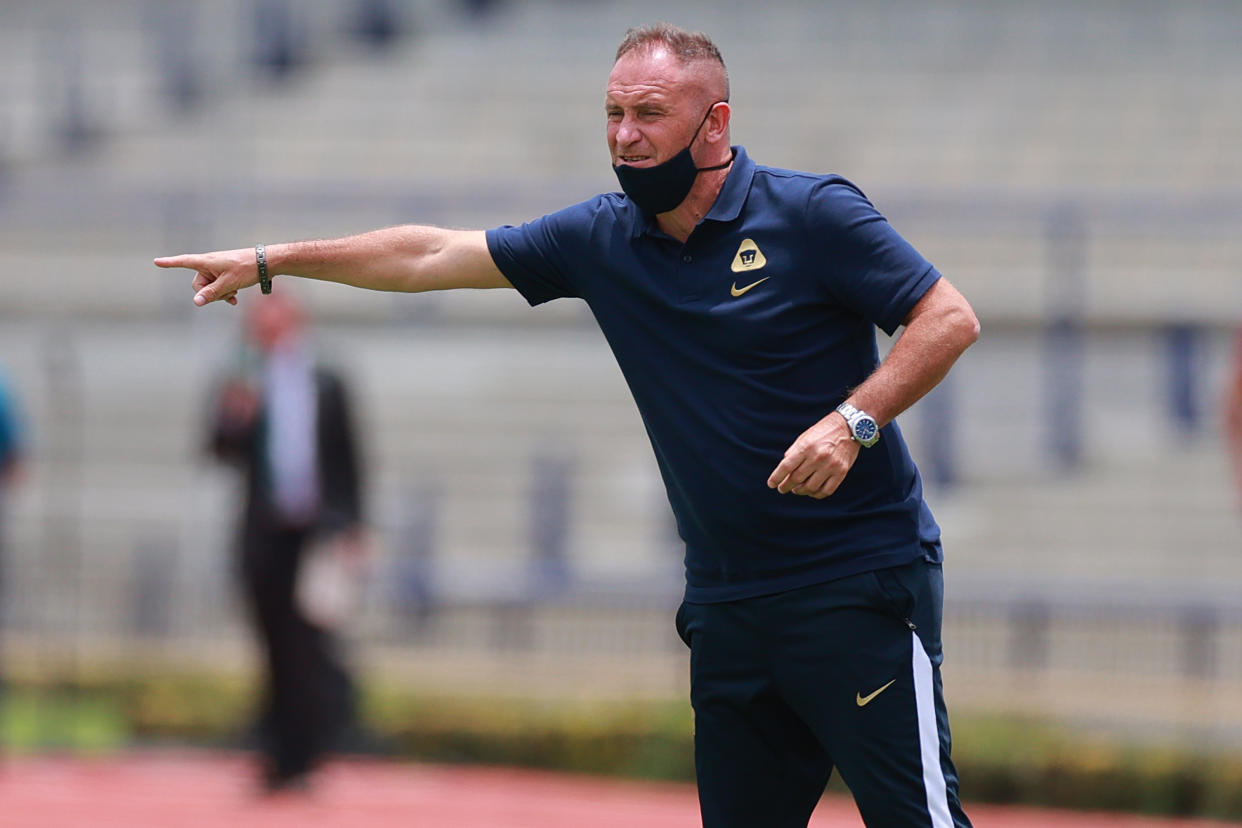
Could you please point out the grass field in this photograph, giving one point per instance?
(31, 723)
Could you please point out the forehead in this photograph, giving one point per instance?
(649, 74)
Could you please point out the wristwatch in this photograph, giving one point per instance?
(863, 427)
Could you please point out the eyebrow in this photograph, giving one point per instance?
(653, 97)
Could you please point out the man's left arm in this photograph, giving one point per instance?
(938, 329)
(342, 462)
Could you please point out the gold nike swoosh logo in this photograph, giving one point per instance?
(863, 701)
(734, 290)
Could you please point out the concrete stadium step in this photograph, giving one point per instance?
(1175, 518)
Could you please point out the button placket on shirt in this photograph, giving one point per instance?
(688, 276)
(696, 273)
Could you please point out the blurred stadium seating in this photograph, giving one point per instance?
(1072, 167)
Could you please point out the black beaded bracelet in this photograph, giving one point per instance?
(260, 257)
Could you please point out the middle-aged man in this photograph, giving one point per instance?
(741, 303)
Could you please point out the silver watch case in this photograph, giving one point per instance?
(863, 427)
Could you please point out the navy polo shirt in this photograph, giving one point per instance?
(733, 344)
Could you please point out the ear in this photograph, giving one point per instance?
(718, 122)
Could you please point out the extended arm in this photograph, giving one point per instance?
(408, 258)
(937, 330)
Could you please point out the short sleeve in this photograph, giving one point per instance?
(868, 266)
(535, 257)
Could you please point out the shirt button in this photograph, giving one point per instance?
(687, 259)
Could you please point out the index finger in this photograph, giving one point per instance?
(784, 469)
(187, 260)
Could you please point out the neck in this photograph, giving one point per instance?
(682, 219)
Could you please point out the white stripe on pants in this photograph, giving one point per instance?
(929, 738)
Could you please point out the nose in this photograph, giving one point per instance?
(624, 132)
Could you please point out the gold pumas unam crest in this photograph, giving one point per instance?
(749, 257)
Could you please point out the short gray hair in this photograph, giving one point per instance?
(686, 45)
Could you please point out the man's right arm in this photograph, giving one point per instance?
(409, 258)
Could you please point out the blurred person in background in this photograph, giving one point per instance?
(12, 454)
(741, 303)
(285, 421)
(12, 445)
(1233, 415)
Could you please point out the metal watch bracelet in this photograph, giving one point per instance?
(260, 258)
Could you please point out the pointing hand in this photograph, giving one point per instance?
(218, 275)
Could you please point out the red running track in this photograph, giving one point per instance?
(190, 789)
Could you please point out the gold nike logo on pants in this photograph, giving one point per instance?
(863, 701)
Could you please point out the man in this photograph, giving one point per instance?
(740, 302)
(12, 458)
(286, 422)
(12, 441)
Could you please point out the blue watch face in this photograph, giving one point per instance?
(865, 430)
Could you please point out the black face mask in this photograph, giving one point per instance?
(661, 188)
